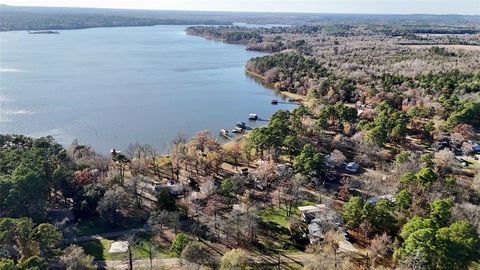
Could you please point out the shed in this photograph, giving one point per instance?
(118, 247)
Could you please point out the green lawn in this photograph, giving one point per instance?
(278, 215)
(99, 249)
(275, 215)
(273, 219)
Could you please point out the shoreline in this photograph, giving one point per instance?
(302, 98)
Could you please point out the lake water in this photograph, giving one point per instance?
(110, 87)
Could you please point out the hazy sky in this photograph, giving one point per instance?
(323, 6)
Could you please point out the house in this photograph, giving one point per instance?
(389, 197)
(308, 212)
(352, 167)
(314, 233)
(320, 219)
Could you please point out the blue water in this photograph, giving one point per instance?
(110, 87)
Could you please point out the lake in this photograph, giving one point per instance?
(110, 87)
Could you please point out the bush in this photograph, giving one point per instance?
(179, 243)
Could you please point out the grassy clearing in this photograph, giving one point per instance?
(99, 249)
(275, 215)
(278, 236)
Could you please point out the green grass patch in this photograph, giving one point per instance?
(99, 249)
(275, 215)
(274, 220)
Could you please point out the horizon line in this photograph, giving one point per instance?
(243, 11)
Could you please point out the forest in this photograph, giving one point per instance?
(378, 167)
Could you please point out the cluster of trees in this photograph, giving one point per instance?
(433, 242)
(26, 245)
(232, 34)
(390, 125)
(370, 218)
(33, 174)
(288, 72)
(466, 112)
(449, 82)
(279, 135)
(419, 216)
(336, 115)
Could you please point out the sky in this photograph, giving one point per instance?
(315, 6)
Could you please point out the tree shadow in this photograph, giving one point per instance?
(94, 248)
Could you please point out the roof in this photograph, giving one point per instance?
(118, 247)
(312, 208)
(314, 233)
(390, 197)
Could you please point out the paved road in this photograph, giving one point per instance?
(175, 263)
(171, 263)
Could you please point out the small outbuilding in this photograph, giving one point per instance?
(118, 247)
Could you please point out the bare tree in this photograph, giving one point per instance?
(112, 203)
(151, 253)
(444, 158)
(380, 246)
(74, 258)
(476, 182)
(131, 240)
(136, 187)
(337, 157)
(208, 187)
(159, 220)
(265, 174)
